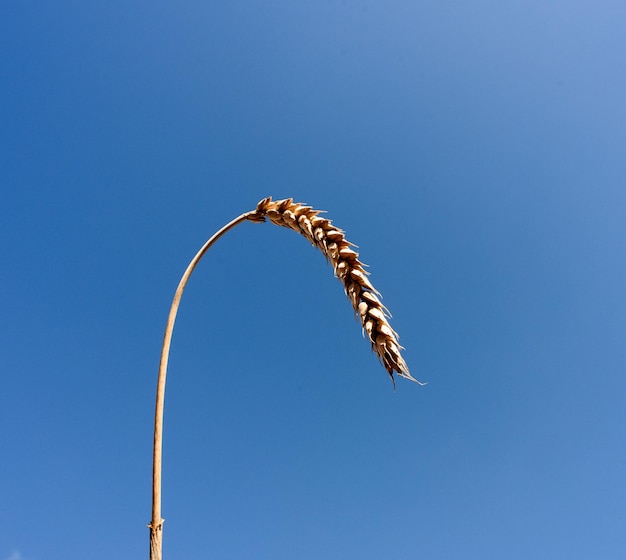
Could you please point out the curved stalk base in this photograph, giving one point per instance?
(156, 525)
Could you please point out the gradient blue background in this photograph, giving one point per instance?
(476, 153)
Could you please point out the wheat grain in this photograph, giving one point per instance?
(364, 297)
(345, 260)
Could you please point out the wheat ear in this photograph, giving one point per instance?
(365, 299)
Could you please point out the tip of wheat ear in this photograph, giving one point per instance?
(365, 299)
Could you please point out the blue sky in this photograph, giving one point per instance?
(476, 154)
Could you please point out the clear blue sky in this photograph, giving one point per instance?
(476, 153)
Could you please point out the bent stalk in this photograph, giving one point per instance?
(156, 525)
(365, 300)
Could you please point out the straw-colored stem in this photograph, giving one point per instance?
(347, 267)
(156, 525)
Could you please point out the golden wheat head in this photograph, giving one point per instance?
(345, 261)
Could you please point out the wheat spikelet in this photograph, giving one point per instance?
(345, 261)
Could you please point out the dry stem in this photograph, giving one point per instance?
(363, 296)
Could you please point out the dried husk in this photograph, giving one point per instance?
(340, 253)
